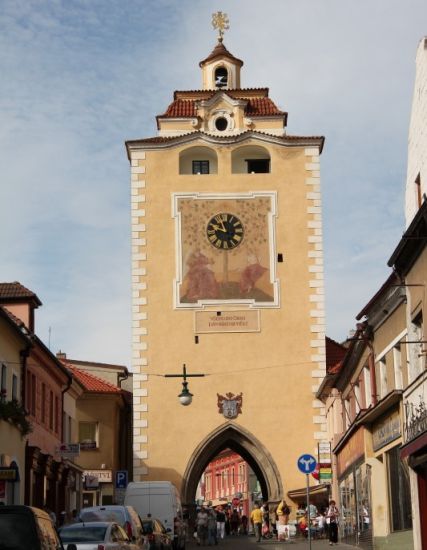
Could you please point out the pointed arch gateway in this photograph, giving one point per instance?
(238, 439)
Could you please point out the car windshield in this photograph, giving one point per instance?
(86, 533)
(103, 515)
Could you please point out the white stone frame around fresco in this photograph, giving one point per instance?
(201, 304)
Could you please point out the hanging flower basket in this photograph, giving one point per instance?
(12, 411)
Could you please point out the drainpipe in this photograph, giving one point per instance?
(122, 377)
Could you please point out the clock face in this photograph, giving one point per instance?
(225, 231)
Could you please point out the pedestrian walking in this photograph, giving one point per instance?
(220, 522)
(332, 519)
(202, 527)
(212, 536)
(256, 520)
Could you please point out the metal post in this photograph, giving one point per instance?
(308, 511)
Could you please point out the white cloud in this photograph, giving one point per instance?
(79, 78)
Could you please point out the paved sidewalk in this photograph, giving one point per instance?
(249, 543)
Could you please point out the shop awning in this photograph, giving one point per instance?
(316, 490)
(414, 446)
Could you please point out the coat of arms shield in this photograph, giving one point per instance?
(230, 405)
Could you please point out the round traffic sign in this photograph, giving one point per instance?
(306, 464)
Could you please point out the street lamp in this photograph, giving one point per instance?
(185, 397)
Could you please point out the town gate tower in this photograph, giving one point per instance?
(227, 278)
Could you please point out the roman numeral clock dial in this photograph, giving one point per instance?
(225, 231)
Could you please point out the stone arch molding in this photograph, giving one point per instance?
(233, 436)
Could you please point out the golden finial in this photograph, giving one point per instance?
(220, 21)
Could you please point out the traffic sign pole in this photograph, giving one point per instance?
(307, 464)
(308, 510)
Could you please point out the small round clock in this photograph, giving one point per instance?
(225, 231)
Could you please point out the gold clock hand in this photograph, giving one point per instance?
(218, 228)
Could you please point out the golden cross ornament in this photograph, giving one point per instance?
(220, 21)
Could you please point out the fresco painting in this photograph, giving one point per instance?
(225, 246)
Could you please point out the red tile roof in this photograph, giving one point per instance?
(220, 51)
(335, 354)
(16, 291)
(185, 108)
(90, 382)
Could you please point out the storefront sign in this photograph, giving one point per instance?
(103, 476)
(351, 452)
(415, 407)
(226, 321)
(385, 431)
(8, 474)
(324, 458)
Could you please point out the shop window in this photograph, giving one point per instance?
(399, 491)
(88, 435)
(200, 167)
(258, 166)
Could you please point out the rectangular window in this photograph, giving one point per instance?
(398, 375)
(88, 435)
(347, 421)
(383, 377)
(43, 404)
(51, 411)
(399, 491)
(33, 395)
(416, 349)
(200, 167)
(3, 382)
(258, 166)
(15, 387)
(56, 415)
(368, 391)
(357, 398)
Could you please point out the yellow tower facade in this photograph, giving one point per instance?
(227, 278)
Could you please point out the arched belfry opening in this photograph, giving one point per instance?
(238, 439)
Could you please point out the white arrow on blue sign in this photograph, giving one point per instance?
(121, 479)
(306, 464)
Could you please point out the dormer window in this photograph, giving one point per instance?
(221, 77)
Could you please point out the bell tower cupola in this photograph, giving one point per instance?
(220, 70)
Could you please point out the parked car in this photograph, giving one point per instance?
(157, 535)
(27, 527)
(125, 516)
(96, 535)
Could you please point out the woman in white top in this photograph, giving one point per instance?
(332, 516)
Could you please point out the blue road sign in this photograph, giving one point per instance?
(306, 464)
(121, 479)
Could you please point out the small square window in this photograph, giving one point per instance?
(200, 167)
(258, 166)
(88, 435)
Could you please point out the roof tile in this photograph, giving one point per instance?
(16, 291)
(90, 382)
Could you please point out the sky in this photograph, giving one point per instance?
(79, 77)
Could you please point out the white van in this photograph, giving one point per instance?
(162, 501)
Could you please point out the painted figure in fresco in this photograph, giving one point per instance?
(201, 280)
(250, 275)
